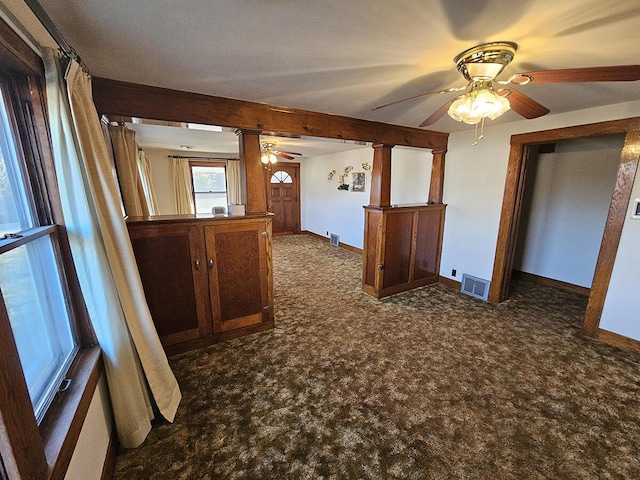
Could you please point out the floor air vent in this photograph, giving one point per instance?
(334, 239)
(474, 286)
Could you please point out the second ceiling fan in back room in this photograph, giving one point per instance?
(484, 97)
(270, 154)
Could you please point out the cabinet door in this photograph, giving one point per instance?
(427, 248)
(238, 274)
(398, 245)
(174, 277)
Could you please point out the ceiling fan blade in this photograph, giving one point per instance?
(437, 115)
(453, 89)
(284, 155)
(290, 153)
(621, 73)
(523, 104)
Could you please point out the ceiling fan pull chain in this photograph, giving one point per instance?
(481, 136)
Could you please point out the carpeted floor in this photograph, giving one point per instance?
(430, 384)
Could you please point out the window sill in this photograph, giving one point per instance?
(64, 421)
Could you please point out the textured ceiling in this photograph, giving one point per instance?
(345, 57)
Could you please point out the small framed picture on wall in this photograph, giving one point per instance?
(357, 184)
(636, 209)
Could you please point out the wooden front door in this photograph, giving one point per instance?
(283, 189)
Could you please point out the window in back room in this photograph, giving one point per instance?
(209, 185)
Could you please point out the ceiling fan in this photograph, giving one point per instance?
(480, 65)
(270, 154)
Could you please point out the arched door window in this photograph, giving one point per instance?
(281, 177)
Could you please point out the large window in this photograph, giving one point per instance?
(209, 185)
(30, 276)
(50, 366)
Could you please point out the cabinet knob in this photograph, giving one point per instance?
(210, 263)
(197, 264)
(264, 234)
(381, 267)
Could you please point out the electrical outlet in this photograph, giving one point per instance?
(453, 272)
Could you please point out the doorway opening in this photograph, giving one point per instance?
(566, 199)
(522, 149)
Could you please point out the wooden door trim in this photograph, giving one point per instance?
(616, 216)
(512, 202)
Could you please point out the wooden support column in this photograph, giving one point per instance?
(251, 172)
(436, 187)
(381, 176)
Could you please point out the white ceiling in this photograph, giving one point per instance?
(345, 57)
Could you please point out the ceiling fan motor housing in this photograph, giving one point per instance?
(485, 61)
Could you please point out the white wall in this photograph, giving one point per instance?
(562, 224)
(620, 313)
(327, 209)
(89, 455)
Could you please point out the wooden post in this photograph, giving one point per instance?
(381, 176)
(251, 172)
(436, 187)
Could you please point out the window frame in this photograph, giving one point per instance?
(29, 450)
(212, 163)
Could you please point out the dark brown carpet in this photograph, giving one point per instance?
(430, 384)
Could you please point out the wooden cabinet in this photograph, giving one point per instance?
(401, 248)
(205, 280)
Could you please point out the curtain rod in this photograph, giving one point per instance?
(200, 158)
(48, 24)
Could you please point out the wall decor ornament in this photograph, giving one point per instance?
(342, 179)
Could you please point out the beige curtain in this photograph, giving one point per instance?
(233, 182)
(144, 169)
(182, 185)
(125, 151)
(136, 366)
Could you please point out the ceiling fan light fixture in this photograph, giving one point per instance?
(503, 107)
(480, 102)
(485, 61)
(268, 154)
(461, 110)
(484, 71)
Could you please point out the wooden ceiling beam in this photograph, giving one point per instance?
(114, 97)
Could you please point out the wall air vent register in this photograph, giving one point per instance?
(475, 287)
